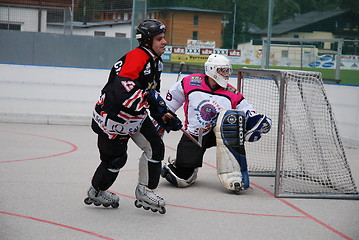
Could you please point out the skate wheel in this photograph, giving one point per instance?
(138, 204)
(97, 204)
(87, 201)
(162, 210)
(106, 205)
(154, 210)
(115, 205)
(146, 208)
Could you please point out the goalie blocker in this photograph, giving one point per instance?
(233, 128)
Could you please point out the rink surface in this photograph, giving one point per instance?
(45, 171)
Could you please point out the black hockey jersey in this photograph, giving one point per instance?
(122, 106)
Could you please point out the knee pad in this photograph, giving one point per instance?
(115, 164)
(172, 178)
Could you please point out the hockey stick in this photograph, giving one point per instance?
(192, 138)
(200, 134)
(180, 71)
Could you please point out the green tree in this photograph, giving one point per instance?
(285, 9)
(86, 9)
(255, 12)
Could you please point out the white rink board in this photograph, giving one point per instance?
(59, 95)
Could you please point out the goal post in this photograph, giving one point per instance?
(303, 150)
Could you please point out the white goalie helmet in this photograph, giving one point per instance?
(218, 68)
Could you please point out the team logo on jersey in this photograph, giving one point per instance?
(195, 81)
(208, 111)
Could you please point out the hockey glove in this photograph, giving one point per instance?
(161, 114)
(256, 125)
(157, 105)
(172, 122)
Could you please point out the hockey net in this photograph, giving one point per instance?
(303, 150)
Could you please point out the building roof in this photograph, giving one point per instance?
(188, 9)
(301, 21)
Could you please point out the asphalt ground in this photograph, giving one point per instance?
(45, 171)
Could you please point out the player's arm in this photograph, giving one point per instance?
(175, 97)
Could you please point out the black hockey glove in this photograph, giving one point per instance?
(172, 123)
(158, 109)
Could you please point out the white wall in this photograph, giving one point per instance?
(109, 30)
(58, 95)
(26, 17)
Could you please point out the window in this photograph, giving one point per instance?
(120, 35)
(285, 53)
(195, 35)
(295, 36)
(99, 33)
(152, 15)
(195, 20)
(162, 15)
(9, 26)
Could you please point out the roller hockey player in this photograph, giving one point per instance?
(121, 113)
(217, 109)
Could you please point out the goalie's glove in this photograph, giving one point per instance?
(164, 117)
(256, 125)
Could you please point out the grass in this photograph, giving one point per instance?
(347, 77)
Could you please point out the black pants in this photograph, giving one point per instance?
(113, 155)
(190, 156)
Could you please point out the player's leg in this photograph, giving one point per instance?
(231, 159)
(182, 171)
(149, 167)
(113, 157)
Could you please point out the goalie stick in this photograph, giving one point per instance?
(192, 138)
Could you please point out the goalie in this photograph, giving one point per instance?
(217, 109)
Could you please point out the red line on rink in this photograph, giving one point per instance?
(220, 211)
(57, 224)
(73, 148)
(307, 215)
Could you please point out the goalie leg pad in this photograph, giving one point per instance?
(230, 148)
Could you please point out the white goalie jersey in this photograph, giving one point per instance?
(201, 103)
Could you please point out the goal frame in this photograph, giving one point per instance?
(281, 82)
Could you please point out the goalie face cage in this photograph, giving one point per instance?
(303, 150)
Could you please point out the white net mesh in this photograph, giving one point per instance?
(311, 155)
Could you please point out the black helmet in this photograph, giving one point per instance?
(148, 29)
